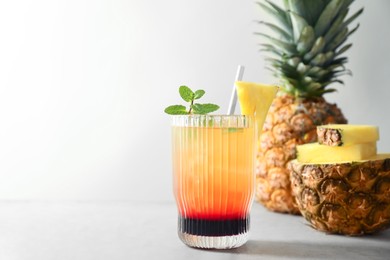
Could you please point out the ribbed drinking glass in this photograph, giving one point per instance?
(213, 178)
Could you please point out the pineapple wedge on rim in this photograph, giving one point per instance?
(255, 100)
(344, 134)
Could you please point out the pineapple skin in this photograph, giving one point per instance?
(344, 198)
(291, 121)
(330, 137)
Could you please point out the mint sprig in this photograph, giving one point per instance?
(194, 108)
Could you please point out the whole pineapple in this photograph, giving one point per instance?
(306, 50)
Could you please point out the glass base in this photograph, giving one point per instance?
(217, 234)
(209, 242)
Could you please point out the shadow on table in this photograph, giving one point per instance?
(307, 250)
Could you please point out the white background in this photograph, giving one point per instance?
(83, 85)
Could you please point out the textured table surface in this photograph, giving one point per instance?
(133, 230)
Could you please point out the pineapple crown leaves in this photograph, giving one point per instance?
(195, 108)
(307, 42)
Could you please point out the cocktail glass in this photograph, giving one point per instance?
(213, 178)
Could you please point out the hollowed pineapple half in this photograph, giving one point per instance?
(350, 198)
(341, 185)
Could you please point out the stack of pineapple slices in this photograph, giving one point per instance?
(340, 143)
(341, 184)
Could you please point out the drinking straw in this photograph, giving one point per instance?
(233, 97)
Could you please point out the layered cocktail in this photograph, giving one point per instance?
(213, 170)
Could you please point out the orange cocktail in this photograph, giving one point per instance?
(213, 170)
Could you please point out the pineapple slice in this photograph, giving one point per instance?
(317, 153)
(255, 99)
(342, 134)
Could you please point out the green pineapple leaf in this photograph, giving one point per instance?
(279, 31)
(306, 43)
(271, 49)
(343, 49)
(353, 17)
(318, 46)
(336, 26)
(288, 47)
(338, 40)
(306, 39)
(298, 24)
(308, 9)
(330, 12)
(280, 15)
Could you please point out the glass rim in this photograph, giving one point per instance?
(213, 121)
(214, 115)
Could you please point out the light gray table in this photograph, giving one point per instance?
(74, 230)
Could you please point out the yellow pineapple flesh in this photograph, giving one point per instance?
(255, 99)
(318, 153)
(343, 134)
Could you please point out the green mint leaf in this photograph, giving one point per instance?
(189, 96)
(204, 108)
(235, 129)
(186, 93)
(176, 110)
(199, 93)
